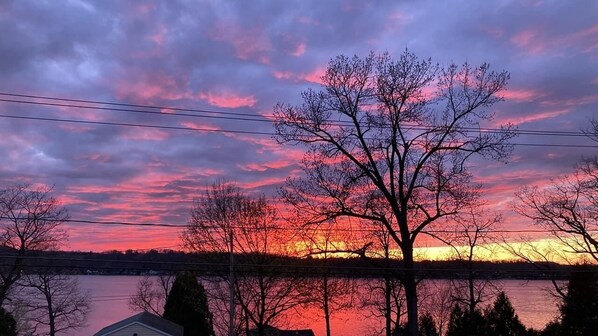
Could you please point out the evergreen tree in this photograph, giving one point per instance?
(427, 326)
(462, 323)
(187, 305)
(8, 325)
(552, 329)
(502, 320)
(579, 311)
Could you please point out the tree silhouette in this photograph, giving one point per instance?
(329, 293)
(389, 141)
(8, 325)
(567, 208)
(579, 310)
(427, 326)
(472, 228)
(55, 302)
(463, 322)
(502, 320)
(187, 305)
(151, 294)
(30, 220)
(261, 293)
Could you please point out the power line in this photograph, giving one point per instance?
(185, 128)
(171, 108)
(136, 111)
(273, 228)
(108, 123)
(237, 116)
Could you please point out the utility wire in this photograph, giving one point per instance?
(184, 128)
(273, 228)
(238, 116)
(108, 123)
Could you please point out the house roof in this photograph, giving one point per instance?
(273, 331)
(150, 320)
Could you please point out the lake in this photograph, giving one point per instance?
(531, 300)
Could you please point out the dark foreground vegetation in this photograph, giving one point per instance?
(186, 303)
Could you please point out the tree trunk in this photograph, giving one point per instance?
(3, 293)
(472, 299)
(326, 306)
(51, 318)
(13, 275)
(410, 288)
(387, 305)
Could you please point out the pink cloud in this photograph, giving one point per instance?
(314, 76)
(518, 120)
(521, 95)
(573, 102)
(284, 75)
(262, 167)
(300, 49)
(227, 99)
(81, 113)
(589, 37)
(529, 41)
(532, 41)
(392, 23)
(144, 8)
(249, 43)
(149, 87)
(159, 36)
(262, 183)
(96, 157)
(270, 146)
(200, 126)
(210, 172)
(104, 238)
(145, 134)
(75, 128)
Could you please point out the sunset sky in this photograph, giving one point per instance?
(243, 57)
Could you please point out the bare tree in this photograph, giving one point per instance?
(568, 209)
(151, 294)
(382, 140)
(262, 290)
(471, 232)
(55, 303)
(544, 259)
(439, 302)
(386, 295)
(328, 291)
(385, 299)
(30, 220)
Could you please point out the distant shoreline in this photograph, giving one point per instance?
(215, 264)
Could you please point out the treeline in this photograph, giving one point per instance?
(170, 261)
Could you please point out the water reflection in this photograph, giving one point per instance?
(534, 305)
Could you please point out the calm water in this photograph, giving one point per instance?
(534, 305)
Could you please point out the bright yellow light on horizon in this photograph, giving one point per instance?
(541, 250)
